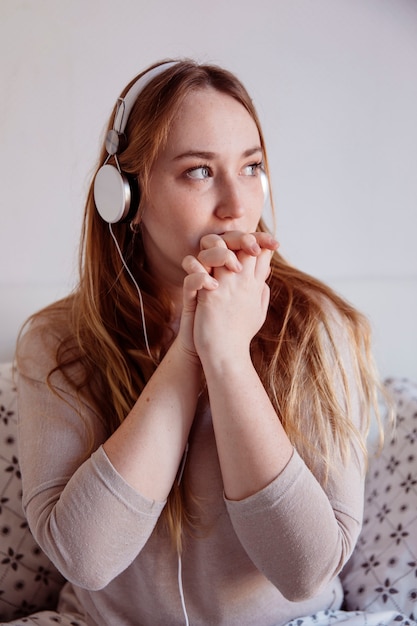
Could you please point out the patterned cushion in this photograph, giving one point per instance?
(28, 580)
(382, 572)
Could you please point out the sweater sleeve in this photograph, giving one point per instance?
(85, 517)
(296, 531)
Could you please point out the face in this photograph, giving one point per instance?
(206, 180)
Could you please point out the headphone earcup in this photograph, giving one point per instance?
(265, 186)
(116, 195)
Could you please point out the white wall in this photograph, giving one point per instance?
(335, 83)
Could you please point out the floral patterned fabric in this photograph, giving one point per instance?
(47, 618)
(354, 618)
(28, 580)
(382, 572)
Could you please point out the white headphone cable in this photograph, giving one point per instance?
(181, 590)
(180, 585)
(142, 312)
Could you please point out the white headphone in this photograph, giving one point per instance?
(117, 194)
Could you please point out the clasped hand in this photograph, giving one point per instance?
(225, 295)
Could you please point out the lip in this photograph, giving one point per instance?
(223, 232)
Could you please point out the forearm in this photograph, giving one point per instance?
(76, 503)
(147, 448)
(252, 445)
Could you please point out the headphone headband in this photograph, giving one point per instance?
(116, 195)
(126, 103)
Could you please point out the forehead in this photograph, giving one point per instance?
(208, 119)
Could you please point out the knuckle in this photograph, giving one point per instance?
(211, 241)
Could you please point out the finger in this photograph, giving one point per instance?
(212, 241)
(219, 257)
(193, 283)
(259, 266)
(192, 265)
(265, 297)
(263, 264)
(196, 282)
(251, 243)
(266, 240)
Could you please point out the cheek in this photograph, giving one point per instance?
(157, 214)
(172, 230)
(255, 214)
(261, 202)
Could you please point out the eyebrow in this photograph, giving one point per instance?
(202, 154)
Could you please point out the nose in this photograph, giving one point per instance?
(229, 199)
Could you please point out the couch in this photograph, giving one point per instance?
(381, 574)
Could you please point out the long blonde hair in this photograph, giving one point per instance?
(296, 352)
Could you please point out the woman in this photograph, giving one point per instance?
(193, 416)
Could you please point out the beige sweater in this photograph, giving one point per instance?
(264, 560)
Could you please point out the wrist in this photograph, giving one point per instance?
(226, 363)
(180, 351)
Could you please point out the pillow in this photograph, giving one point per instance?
(28, 580)
(382, 571)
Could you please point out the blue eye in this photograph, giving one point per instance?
(200, 173)
(252, 169)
